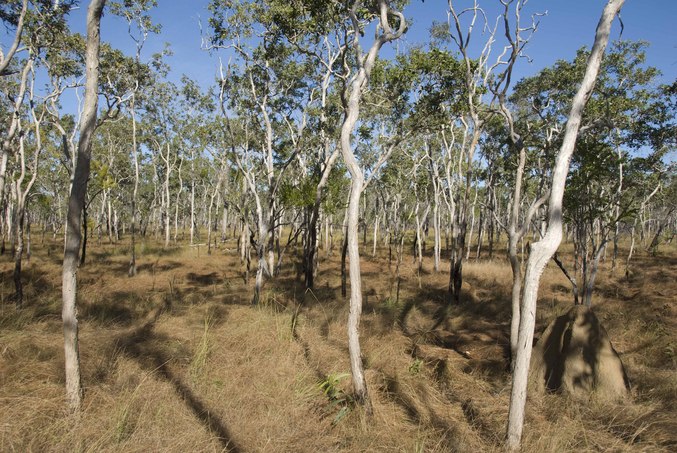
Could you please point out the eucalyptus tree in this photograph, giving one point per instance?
(75, 205)
(310, 28)
(13, 14)
(110, 64)
(428, 84)
(139, 27)
(517, 36)
(115, 89)
(487, 78)
(620, 117)
(340, 30)
(112, 174)
(354, 85)
(270, 98)
(470, 123)
(43, 28)
(660, 130)
(197, 109)
(161, 134)
(17, 91)
(395, 183)
(543, 250)
(37, 25)
(666, 208)
(25, 176)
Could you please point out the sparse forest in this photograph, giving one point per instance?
(349, 240)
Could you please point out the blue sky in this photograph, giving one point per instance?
(568, 25)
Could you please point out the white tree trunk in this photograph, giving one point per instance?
(135, 193)
(167, 198)
(75, 206)
(542, 251)
(352, 97)
(375, 238)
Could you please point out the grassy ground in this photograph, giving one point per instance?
(176, 359)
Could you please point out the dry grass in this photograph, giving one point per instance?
(176, 359)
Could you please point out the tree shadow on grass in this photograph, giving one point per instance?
(476, 328)
(141, 346)
(396, 394)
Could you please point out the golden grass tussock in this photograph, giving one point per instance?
(176, 359)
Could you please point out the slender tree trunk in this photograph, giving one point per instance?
(632, 249)
(590, 282)
(209, 225)
(571, 278)
(224, 224)
(85, 234)
(75, 205)
(261, 257)
(542, 251)
(344, 254)
(28, 237)
(192, 197)
(461, 224)
(176, 208)
(135, 153)
(18, 253)
(243, 241)
(438, 238)
(373, 251)
(351, 97)
(271, 245)
(310, 248)
(327, 235)
(167, 199)
(399, 248)
(472, 227)
(491, 237)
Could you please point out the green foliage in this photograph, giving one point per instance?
(339, 401)
(301, 194)
(416, 367)
(423, 87)
(135, 11)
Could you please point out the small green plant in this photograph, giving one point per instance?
(389, 303)
(416, 367)
(339, 400)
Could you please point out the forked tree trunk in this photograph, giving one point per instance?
(515, 234)
(460, 226)
(542, 251)
(75, 204)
